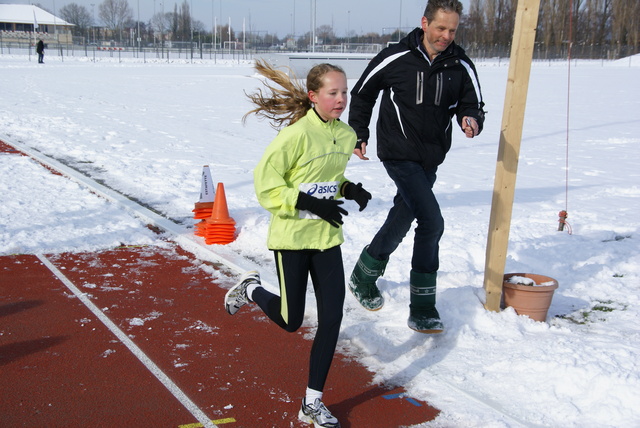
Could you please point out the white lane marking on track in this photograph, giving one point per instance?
(148, 363)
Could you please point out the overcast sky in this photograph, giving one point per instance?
(279, 16)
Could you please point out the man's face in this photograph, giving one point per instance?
(440, 32)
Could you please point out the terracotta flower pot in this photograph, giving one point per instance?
(530, 300)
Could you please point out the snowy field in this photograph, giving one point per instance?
(147, 130)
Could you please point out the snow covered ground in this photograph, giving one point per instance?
(147, 130)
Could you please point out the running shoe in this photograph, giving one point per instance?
(237, 297)
(317, 414)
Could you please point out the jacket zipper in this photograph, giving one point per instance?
(438, 98)
(419, 87)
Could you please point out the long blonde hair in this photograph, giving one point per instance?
(288, 102)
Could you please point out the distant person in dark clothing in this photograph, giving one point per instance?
(40, 51)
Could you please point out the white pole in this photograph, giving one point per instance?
(313, 25)
(139, 38)
(400, 20)
(55, 29)
(93, 21)
(213, 25)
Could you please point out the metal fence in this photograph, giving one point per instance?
(97, 53)
(543, 52)
(206, 51)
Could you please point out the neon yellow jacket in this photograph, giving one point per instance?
(309, 152)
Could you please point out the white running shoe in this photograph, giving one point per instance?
(317, 414)
(237, 297)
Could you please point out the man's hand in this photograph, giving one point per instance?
(469, 126)
(361, 150)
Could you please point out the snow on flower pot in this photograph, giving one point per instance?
(529, 294)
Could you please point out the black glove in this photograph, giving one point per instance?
(327, 209)
(356, 193)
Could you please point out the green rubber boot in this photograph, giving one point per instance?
(362, 282)
(423, 315)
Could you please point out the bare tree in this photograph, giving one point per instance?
(633, 32)
(625, 23)
(115, 14)
(599, 28)
(490, 7)
(594, 22)
(474, 27)
(160, 23)
(226, 34)
(508, 20)
(77, 15)
(326, 34)
(175, 23)
(184, 21)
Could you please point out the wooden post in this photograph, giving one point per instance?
(509, 149)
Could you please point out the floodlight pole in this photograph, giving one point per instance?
(400, 20)
(509, 149)
(139, 38)
(313, 25)
(93, 22)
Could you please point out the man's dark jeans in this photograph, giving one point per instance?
(414, 200)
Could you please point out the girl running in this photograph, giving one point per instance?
(299, 180)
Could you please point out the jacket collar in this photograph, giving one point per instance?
(320, 119)
(414, 41)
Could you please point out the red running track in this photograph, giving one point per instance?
(62, 366)
(145, 341)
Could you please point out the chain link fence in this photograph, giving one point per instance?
(194, 51)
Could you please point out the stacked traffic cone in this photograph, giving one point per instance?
(204, 207)
(219, 228)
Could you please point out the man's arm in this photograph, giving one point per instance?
(471, 106)
(363, 99)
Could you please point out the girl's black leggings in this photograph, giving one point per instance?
(287, 309)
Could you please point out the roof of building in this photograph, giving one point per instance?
(28, 14)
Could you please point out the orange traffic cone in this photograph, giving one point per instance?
(220, 227)
(202, 210)
(204, 206)
(200, 228)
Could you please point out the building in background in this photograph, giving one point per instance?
(25, 23)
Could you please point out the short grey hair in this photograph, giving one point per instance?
(447, 5)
